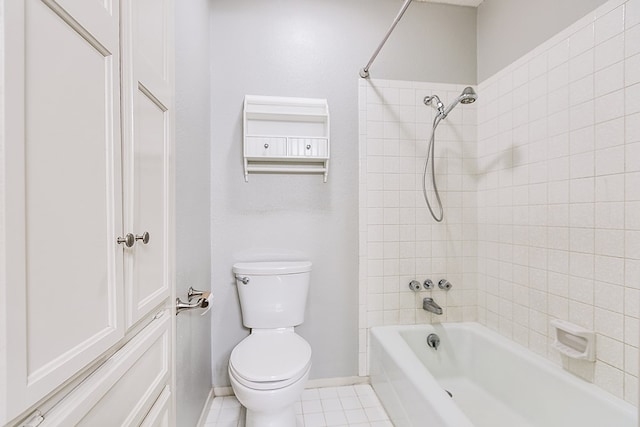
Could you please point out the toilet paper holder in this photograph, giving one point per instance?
(201, 302)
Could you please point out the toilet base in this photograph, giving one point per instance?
(285, 417)
(269, 408)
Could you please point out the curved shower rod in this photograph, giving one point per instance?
(364, 73)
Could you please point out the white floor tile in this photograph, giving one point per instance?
(335, 418)
(349, 406)
(314, 420)
(356, 416)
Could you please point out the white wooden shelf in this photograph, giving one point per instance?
(286, 135)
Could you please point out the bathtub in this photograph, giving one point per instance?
(494, 382)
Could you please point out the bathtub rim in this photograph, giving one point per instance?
(400, 352)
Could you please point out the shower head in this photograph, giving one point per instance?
(468, 96)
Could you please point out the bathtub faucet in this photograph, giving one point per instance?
(430, 305)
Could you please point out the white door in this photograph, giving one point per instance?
(62, 200)
(147, 141)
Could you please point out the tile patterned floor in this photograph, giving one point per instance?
(350, 406)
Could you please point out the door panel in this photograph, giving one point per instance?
(123, 389)
(64, 202)
(147, 140)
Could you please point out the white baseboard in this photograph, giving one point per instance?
(336, 382)
(205, 409)
(316, 383)
(222, 391)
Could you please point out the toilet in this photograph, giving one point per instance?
(269, 369)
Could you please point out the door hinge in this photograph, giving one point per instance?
(35, 420)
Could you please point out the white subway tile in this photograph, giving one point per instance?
(632, 13)
(632, 216)
(609, 323)
(609, 297)
(609, 52)
(582, 165)
(631, 389)
(609, 269)
(610, 243)
(632, 244)
(610, 351)
(610, 160)
(581, 115)
(582, 40)
(632, 70)
(582, 190)
(631, 302)
(610, 188)
(632, 41)
(632, 273)
(632, 99)
(581, 314)
(581, 90)
(609, 133)
(631, 331)
(610, 106)
(609, 79)
(609, 215)
(609, 25)
(632, 154)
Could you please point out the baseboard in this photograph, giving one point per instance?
(205, 409)
(315, 383)
(222, 391)
(336, 382)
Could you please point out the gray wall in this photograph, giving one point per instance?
(193, 252)
(508, 29)
(310, 48)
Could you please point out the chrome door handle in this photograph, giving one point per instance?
(129, 240)
(144, 237)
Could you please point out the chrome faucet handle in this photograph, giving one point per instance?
(414, 285)
(445, 285)
(428, 284)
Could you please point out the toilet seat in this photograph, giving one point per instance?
(268, 360)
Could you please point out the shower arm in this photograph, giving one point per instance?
(364, 73)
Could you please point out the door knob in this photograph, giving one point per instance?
(144, 237)
(129, 240)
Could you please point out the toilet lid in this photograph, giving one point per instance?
(273, 356)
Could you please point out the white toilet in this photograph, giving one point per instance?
(269, 368)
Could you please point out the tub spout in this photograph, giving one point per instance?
(431, 306)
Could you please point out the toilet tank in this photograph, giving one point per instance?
(272, 294)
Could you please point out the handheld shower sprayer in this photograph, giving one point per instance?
(468, 96)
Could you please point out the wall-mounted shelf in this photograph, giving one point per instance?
(286, 135)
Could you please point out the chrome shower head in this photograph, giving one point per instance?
(468, 96)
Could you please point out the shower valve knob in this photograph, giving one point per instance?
(428, 284)
(444, 284)
(414, 285)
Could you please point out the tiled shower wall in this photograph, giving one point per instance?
(542, 199)
(559, 194)
(399, 241)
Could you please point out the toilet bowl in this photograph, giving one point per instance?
(269, 369)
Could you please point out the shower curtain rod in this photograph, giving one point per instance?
(364, 73)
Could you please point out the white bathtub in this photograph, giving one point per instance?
(495, 382)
